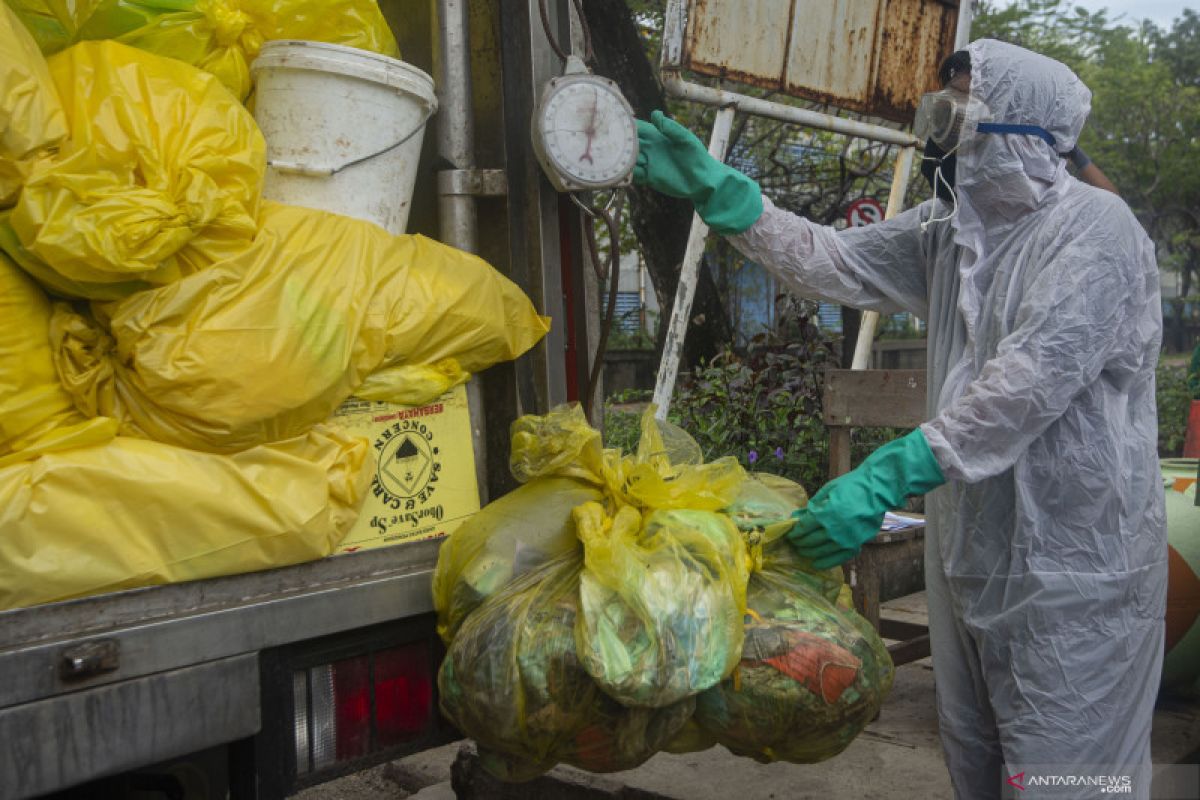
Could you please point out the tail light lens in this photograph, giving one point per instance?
(348, 709)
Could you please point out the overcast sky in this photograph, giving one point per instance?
(1160, 12)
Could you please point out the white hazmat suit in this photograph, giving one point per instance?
(1046, 551)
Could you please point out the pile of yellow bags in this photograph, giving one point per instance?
(218, 36)
(171, 347)
(616, 605)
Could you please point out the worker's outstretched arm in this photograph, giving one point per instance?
(879, 267)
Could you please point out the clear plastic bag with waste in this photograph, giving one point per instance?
(812, 673)
(513, 534)
(512, 681)
(661, 601)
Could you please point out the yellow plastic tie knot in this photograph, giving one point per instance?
(229, 22)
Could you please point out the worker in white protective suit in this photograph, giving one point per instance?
(1046, 551)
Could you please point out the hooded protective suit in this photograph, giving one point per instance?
(1046, 550)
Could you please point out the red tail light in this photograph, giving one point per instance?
(348, 709)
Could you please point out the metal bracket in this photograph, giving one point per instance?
(89, 659)
(473, 182)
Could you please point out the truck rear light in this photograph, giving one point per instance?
(348, 709)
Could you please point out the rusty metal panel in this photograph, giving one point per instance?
(872, 56)
(833, 49)
(914, 38)
(744, 39)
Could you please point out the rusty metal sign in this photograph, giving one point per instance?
(873, 56)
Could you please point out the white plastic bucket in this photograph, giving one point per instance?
(343, 128)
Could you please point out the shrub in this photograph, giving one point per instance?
(761, 405)
(1174, 400)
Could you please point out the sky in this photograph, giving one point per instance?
(1160, 12)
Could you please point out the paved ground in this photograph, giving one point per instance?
(897, 756)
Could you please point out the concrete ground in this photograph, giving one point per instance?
(897, 756)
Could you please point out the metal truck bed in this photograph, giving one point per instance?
(113, 668)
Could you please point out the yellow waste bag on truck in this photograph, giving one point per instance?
(136, 513)
(36, 413)
(160, 175)
(219, 36)
(264, 345)
(31, 118)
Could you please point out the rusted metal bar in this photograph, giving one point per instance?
(676, 86)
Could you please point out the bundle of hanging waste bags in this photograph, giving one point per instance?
(172, 347)
(615, 605)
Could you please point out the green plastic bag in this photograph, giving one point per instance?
(812, 674)
(512, 681)
(661, 600)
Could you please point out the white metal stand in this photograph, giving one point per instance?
(689, 272)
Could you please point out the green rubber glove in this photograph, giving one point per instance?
(673, 161)
(848, 510)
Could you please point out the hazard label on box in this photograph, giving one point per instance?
(424, 482)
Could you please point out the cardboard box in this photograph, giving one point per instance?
(424, 483)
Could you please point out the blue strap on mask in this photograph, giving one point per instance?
(1025, 130)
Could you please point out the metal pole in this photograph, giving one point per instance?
(720, 98)
(457, 221)
(870, 319)
(962, 33)
(688, 275)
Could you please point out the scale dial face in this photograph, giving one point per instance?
(586, 133)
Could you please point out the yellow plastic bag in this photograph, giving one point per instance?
(667, 471)
(36, 413)
(136, 513)
(511, 535)
(31, 117)
(218, 36)
(412, 384)
(262, 346)
(160, 174)
(661, 602)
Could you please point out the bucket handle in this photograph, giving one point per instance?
(326, 172)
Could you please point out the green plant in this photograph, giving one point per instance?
(621, 339)
(1173, 400)
(622, 427)
(763, 406)
(1193, 374)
